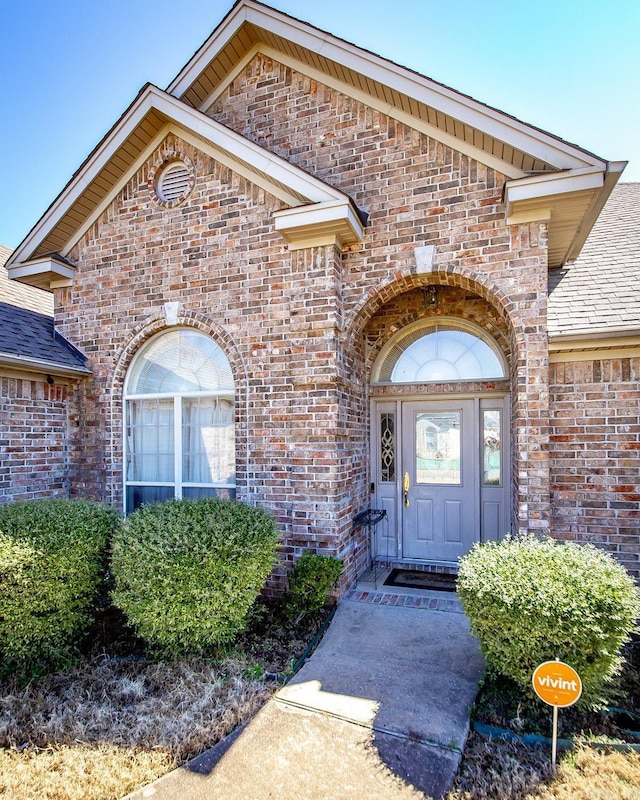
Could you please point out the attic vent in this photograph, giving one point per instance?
(174, 182)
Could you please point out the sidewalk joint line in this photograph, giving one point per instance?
(376, 729)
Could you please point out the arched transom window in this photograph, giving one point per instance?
(179, 420)
(446, 352)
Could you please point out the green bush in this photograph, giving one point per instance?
(186, 572)
(313, 576)
(52, 558)
(532, 600)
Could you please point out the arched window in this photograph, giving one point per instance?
(446, 352)
(179, 420)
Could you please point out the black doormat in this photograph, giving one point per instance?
(421, 580)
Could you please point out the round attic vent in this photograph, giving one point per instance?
(173, 182)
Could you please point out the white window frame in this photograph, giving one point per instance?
(433, 325)
(178, 484)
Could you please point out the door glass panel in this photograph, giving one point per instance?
(387, 447)
(438, 447)
(491, 447)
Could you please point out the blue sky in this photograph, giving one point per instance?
(69, 68)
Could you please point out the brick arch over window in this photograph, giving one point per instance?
(139, 336)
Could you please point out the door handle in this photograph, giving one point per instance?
(406, 486)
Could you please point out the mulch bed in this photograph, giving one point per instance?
(272, 641)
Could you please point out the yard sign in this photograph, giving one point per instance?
(558, 685)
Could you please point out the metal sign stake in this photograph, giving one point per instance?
(554, 740)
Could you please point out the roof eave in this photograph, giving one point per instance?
(42, 366)
(48, 273)
(575, 197)
(611, 177)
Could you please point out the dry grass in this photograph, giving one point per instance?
(77, 773)
(109, 726)
(493, 770)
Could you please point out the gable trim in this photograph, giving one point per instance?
(468, 111)
(334, 223)
(268, 170)
(199, 143)
(46, 273)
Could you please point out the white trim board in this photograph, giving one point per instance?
(289, 182)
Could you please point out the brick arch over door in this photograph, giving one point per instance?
(451, 304)
(137, 338)
(523, 341)
(405, 281)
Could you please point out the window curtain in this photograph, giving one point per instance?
(208, 441)
(150, 442)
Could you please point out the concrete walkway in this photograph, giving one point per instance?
(380, 710)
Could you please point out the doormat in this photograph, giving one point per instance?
(421, 580)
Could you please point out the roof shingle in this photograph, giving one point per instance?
(601, 290)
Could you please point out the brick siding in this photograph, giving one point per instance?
(595, 455)
(33, 439)
(302, 329)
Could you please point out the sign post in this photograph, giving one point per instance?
(558, 685)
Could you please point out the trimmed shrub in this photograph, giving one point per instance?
(312, 578)
(186, 572)
(532, 600)
(52, 558)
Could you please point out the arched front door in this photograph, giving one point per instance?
(440, 461)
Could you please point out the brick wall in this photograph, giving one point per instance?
(298, 327)
(416, 191)
(595, 455)
(33, 439)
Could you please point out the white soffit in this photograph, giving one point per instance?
(256, 18)
(569, 201)
(535, 192)
(44, 273)
(590, 346)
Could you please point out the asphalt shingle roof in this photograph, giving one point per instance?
(601, 290)
(28, 333)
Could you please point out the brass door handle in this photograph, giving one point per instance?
(406, 486)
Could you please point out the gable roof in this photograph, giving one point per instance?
(548, 179)
(493, 137)
(28, 338)
(599, 294)
(40, 258)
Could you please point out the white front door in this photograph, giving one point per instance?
(441, 473)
